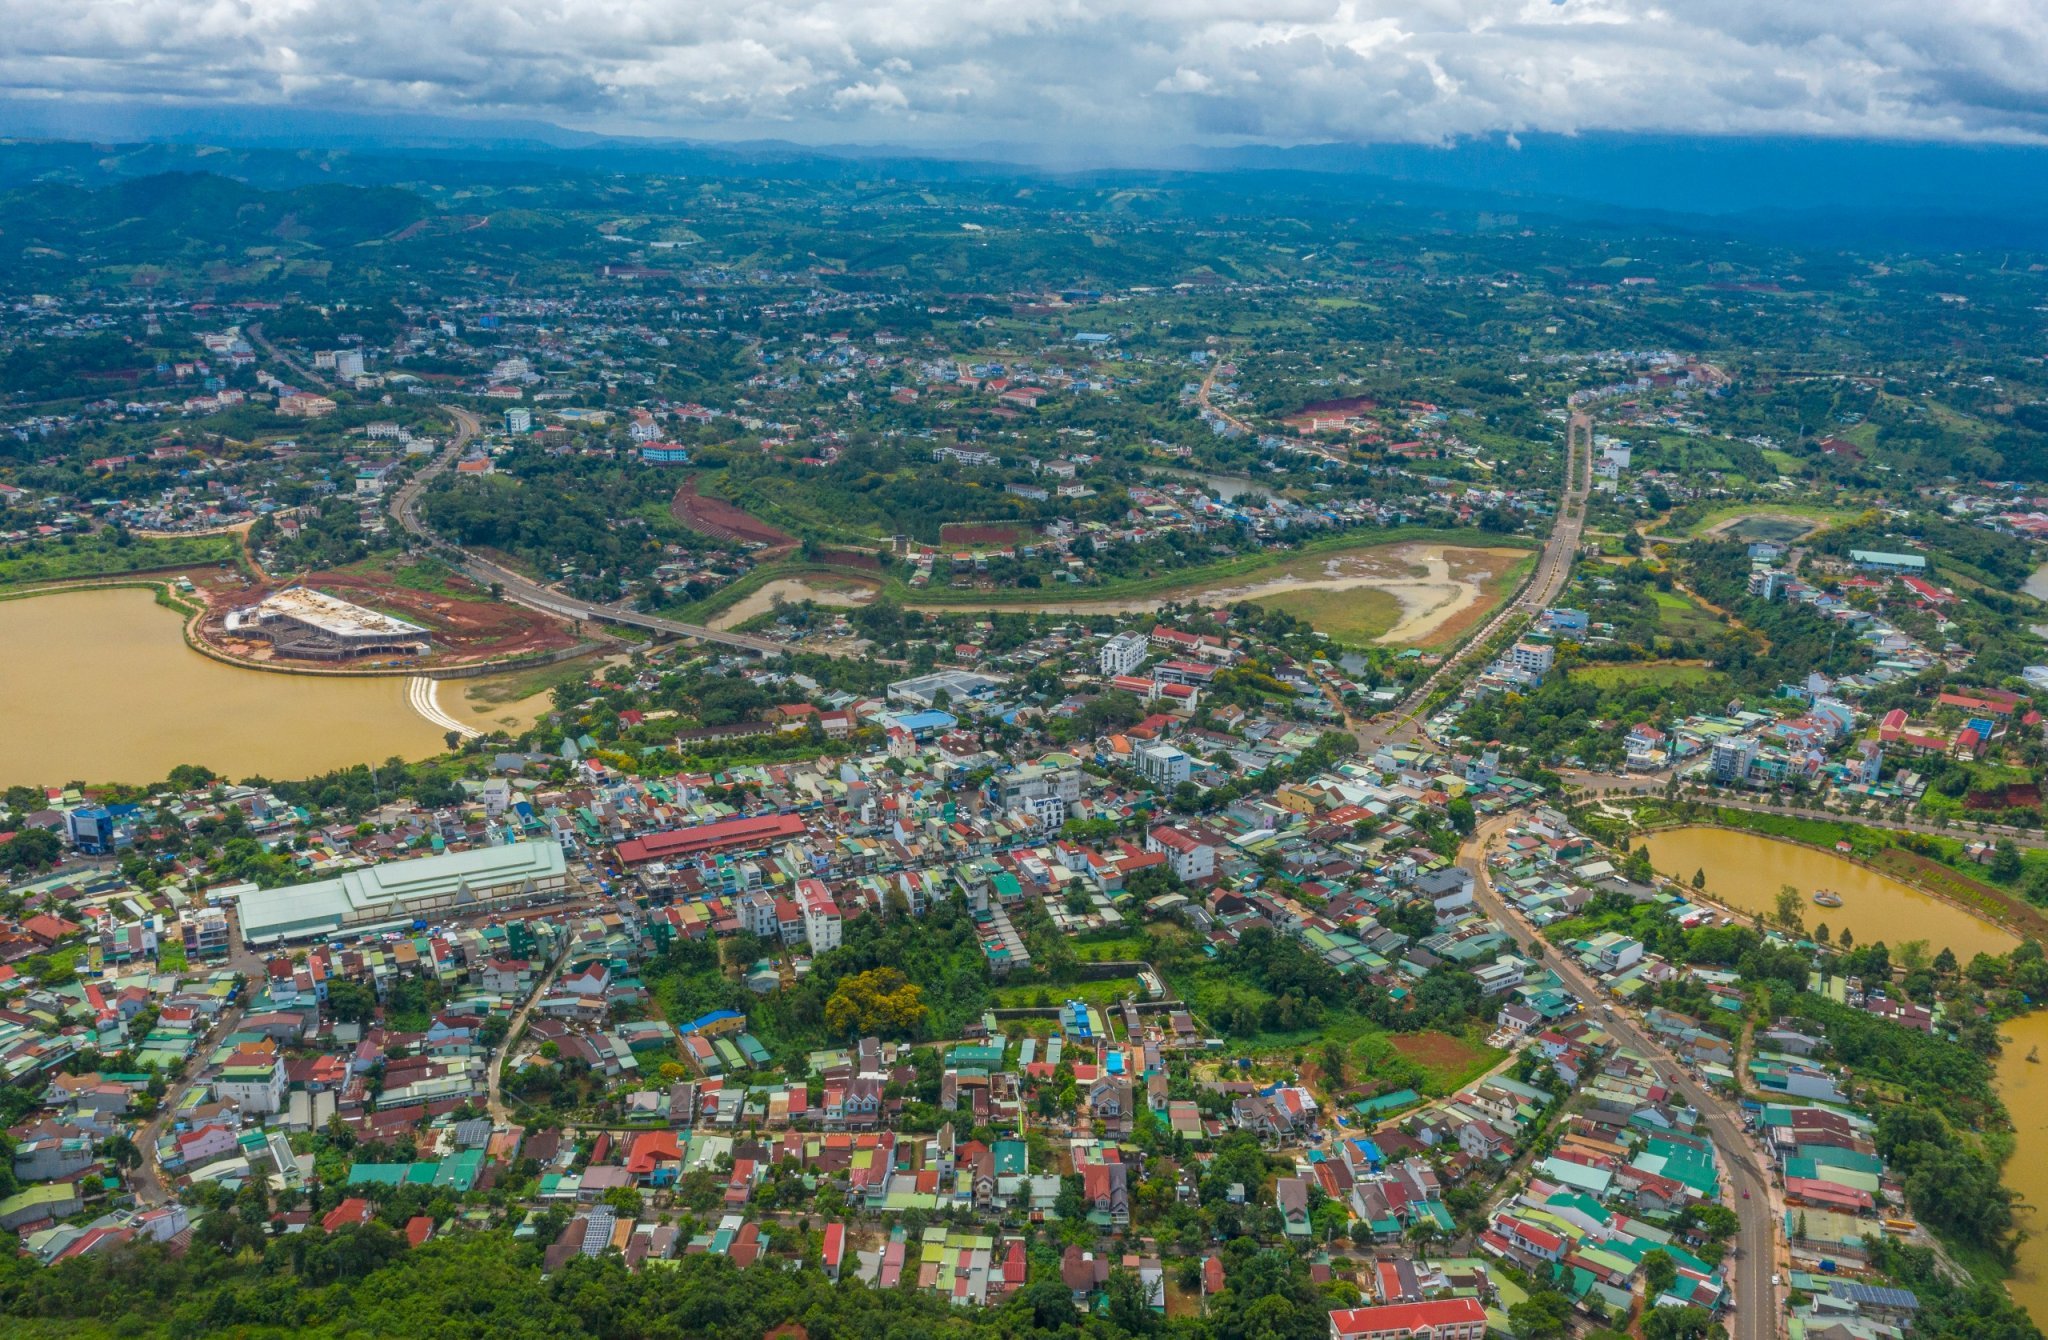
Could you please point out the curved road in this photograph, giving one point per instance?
(522, 590)
(1756, 1313)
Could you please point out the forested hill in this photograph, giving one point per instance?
(364, 1281)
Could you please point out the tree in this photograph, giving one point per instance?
(1676, 1323)
(350, 1002)
(1660, 1272)
(881, 1000)
(1786, 911)
(1128, 1309)
(2005, 864)
(1333, 1064)
(1913, 955)
(1699, 878)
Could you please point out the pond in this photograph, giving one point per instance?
(1744, 870)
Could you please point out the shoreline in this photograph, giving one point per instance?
(192, 610)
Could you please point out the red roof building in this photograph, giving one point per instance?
(1446, 1319)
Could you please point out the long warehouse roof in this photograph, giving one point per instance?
(389, 891)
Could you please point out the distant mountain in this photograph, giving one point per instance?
(1800, 191)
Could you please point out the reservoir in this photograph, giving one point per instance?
(99, 686)
(1745, 871)
(2023, 1085)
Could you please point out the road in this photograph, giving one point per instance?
(521, 590)
(147, 1178)
(1545, 584)
(1302, 445)
(1756, 1313)
(501, 1116)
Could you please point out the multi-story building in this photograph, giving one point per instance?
(1122, 654)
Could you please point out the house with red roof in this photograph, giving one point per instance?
(353, 1212)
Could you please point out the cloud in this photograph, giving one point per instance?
(1076, 72)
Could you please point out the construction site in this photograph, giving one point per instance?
(307, 625)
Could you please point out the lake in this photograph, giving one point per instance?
(1745, 871)
(99, 686)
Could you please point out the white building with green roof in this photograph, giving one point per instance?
(396, 894)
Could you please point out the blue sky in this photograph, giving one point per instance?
(1077, 73)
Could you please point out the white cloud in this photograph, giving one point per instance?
(1077, 72)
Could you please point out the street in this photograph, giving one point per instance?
(1756, 1313)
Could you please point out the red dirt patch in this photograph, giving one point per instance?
(974, 534)
(2021, 795)
(466, 627)
(721, 520)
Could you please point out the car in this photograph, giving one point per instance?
(1774, 1279)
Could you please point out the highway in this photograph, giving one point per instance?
(521, 590)
(1749, 1187)
(1545, 584)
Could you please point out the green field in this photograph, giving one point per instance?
(1680, 617)
(1357, 616)
(1811, 515)
(99, 556)
(1658, 673)
(1104, 993)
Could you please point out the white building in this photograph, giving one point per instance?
(1164, 764)
(1122, 654)
(1187, 855)
(518, 420)
(1534, 657)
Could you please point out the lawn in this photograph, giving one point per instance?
(1662, 674)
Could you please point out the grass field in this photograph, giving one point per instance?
(99, 556)
(1680, 617)
(1106, 992)
(1449, 1062)
(1812, 515)
(1663, 674)
(1241, 570)
(511, 688)
(1358, 616)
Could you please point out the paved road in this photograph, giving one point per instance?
(1553, 570)
(521, 590)
(1756, 1313)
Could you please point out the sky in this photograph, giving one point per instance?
(1081, 73)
